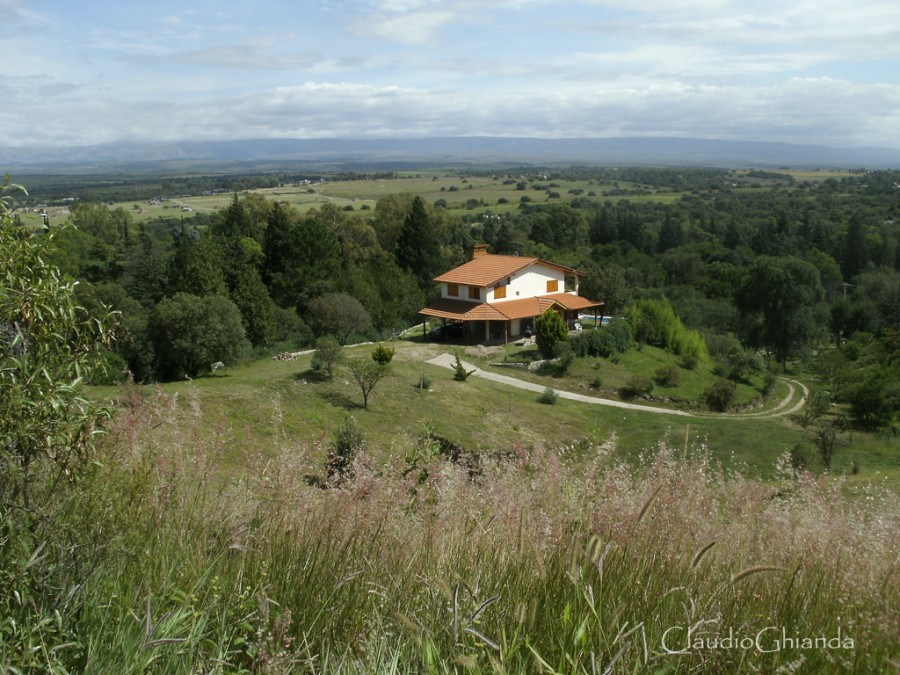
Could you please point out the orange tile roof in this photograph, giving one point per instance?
(486, 270)
(460, 310)
(570, 301)
(523, 308)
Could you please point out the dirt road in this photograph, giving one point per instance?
(784, 406)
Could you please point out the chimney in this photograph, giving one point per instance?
(477, 250)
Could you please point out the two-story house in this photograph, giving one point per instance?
(498, 297)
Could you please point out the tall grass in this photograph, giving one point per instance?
(518, 563)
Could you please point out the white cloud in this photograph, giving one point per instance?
(413, 28)
(246, 57)
(818, 72)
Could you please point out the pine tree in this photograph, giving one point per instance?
(418, 249)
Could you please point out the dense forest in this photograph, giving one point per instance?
(785, 269)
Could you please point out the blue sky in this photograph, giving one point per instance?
(78, 73)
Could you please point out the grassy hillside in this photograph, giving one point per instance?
(255, 409)
(529, 562)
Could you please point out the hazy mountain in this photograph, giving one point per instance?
(349, 154)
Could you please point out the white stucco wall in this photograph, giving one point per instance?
(526, 283)
(531, 282)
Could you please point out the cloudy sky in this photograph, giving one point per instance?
(79, 72)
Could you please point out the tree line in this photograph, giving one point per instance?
(784, 269)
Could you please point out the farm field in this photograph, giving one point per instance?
(463, 194)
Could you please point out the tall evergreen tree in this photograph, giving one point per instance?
(418, 248)
(196, 267)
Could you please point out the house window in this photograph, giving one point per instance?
(552, 285)
(500, 292)
(474, 293)
(453, 290)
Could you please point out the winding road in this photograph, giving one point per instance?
(783, 407)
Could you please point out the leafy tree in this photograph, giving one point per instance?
(608, 285)
(367, 374)
(391, 295)
(781, 306)
(549, 329)
(189, 333)
(49, 346)
(111, 227)
(337, 314)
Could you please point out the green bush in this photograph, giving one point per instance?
(605, 341)
(460, 374)
(654, 322)
(548, 397)
(382, 355)
(720, 395)
(564, 357)
(635, 386)
(667, 375)
(348, 441)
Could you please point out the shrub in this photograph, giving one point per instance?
(769, 382)
(653, 321)
(564, 357)
(667, 375)
(635, 386)
(548, 397)
(424, 382)
(801, 457)
(348, 441)
(620, 335)
(327, 355)
(689, 361)
(720, 395)
(382, 355)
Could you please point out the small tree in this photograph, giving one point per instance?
(549, 329)
(327, 355)
(367, 374)
(382, 355)
(460, 374)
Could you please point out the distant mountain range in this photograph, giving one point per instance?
(368, 154)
